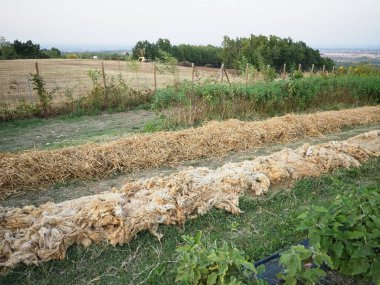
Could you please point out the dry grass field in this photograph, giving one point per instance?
(72, 79)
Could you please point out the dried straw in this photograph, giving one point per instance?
(37, 168)
(34, 234)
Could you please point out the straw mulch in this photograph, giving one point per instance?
(31, 234)
(36, 168)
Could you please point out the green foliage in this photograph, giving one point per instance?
(199, 55)
(269, 73)
(116, 95)
(348, 231)
(302, 264)
(360, 69)
(168, 64)
(261, 51)
(52, 53)
(203, 264)
(220, 101)
(23, 110)
(7, 50)
(295, 73)
(45, 97)
(27, 49)
(145, 49)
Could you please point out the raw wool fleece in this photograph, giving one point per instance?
(37, 168)
(31, 234)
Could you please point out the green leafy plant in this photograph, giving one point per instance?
(302, 264)
(345, 236)
(203, 264)
(168, 64)
(45, 97)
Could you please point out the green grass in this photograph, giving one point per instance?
(266, 225)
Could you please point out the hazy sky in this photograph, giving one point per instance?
(118, 23)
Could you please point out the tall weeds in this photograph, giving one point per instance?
(189, 103)
(116, 95)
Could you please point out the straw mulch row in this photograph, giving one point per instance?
(36, 168)
(32, 235)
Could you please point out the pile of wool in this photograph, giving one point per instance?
(32, 234)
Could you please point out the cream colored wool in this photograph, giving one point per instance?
(37, 168)
(31, 234)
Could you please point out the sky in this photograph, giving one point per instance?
(119, 24)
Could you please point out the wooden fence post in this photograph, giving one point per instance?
(222, 69)
(246, 74)
(312, 68)
(192, 72)
(228, 79)
(155, 76)
(299, 67)
(323, 69)
(37, 69)
(284, 71)
(333, 68)
(104, 76)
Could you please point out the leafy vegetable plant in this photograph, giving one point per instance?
(203, 264)
(345, 236)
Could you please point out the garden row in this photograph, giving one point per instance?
(34, 169)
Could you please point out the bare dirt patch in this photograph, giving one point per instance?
(58, 132)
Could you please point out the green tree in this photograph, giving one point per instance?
(146, 49)
(52, 53)
(6, 49)
(27, 49)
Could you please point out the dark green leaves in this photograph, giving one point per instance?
(297, 261)
(210, 264)
(349, 232)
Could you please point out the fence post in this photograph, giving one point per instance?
(312, 68)
(246, 74)
(284, 71)
(37, 69)
(333, 68)
(228, 80)
(104, 76)
(222, 69)
(299, 67)
(155, 76)
(323, 69)
(192, 72)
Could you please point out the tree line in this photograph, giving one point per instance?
(258, 51)
(28, 49)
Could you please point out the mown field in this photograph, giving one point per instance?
(225, 177)
(72, 78)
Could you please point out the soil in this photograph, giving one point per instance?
(58, 132)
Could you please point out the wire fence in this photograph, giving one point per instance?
(70, 77)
